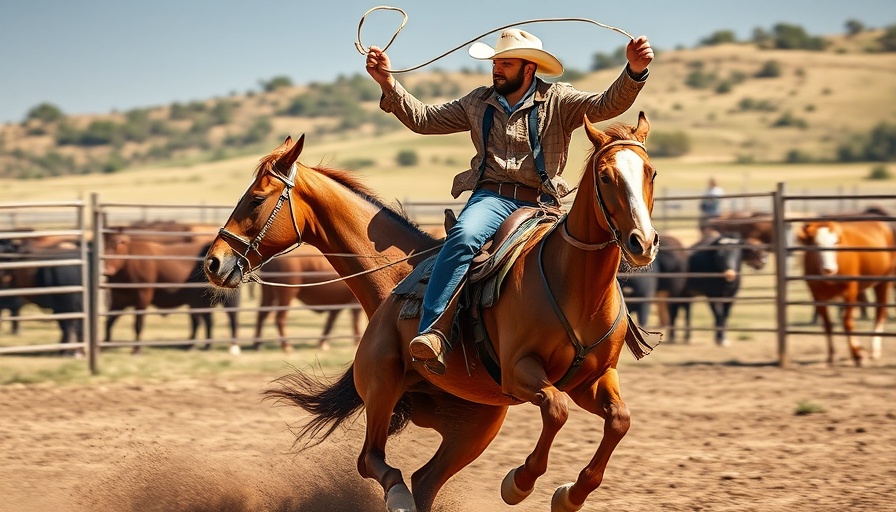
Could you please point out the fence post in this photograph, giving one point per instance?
(95, 274)
(781, 254)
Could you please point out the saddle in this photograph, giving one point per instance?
(490, 264)
(481, 287)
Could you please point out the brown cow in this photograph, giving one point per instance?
(865, 269)
(304, 265)
(175, 263)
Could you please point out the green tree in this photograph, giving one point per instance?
(854, 27)
(794, 37)
(718, 37)
(888, 39)
(275, 83)
(608, 60)
(45, 112)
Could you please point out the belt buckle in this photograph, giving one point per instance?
(516, 186)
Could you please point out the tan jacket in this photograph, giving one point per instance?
(510, 157)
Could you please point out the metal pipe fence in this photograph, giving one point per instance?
(780, 288)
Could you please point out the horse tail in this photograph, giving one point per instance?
(330, 403)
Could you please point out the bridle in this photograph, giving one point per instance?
(289, 182)
(614, 231)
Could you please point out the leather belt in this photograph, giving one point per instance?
(513, 191)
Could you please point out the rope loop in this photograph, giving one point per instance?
(364, 50)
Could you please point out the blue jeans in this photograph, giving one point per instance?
(477, 222)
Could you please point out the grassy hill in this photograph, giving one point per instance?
(749, 130)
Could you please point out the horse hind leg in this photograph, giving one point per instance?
(602, 398)
(881, 295)
(531, 384)
(462, 441)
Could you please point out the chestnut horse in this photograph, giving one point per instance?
(609, 218)
(297, 271)
(857, 271)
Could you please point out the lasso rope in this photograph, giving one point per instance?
(256, 279)
(364, 50)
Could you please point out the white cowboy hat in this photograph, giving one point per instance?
(519, 44)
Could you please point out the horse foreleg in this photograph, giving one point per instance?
(530, 383)
(466, 429)
(720, 314)
(259, 324)
(881, 295)
(821, 311)
(604, 399)
(280, 320)
(378, 375)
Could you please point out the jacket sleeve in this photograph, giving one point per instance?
(611, 103)
(422, 118)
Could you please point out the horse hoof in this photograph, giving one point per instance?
(399, 499)
(510, 493)
(560, 500)
(235, 350)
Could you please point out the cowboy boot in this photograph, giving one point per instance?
(431, 346)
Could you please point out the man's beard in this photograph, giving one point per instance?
(511, 84)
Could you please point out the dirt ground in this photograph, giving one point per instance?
(713, 429)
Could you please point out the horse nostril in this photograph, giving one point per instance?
(656, 240)
(212, 264)
(634, 244)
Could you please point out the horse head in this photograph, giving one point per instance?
(618, 182)
(823, 235)
(264, 224)
(115, 243)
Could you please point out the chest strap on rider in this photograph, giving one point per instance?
(534, 144)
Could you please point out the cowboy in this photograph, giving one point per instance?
(521, 128)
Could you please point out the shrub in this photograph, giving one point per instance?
(789, 120)
(805, 407)
(770, 69)
(669, 144)
(407, 158)
(879, 172)
(796, 156)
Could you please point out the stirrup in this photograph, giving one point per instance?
(423, 350)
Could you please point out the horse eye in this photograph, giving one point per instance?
(605, 178)
(256, 202)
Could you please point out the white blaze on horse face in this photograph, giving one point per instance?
(631, 167)
(825, 238)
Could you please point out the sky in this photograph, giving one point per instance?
(98, 56)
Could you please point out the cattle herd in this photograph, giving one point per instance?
(158, 266)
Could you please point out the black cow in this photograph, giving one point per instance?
(52, 276)
(716, 254)
(656, 281)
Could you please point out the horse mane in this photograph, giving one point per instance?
(349, 181)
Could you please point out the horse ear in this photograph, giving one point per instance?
(292, 154)
(597, 137)
(805, 235)
(642, 128)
